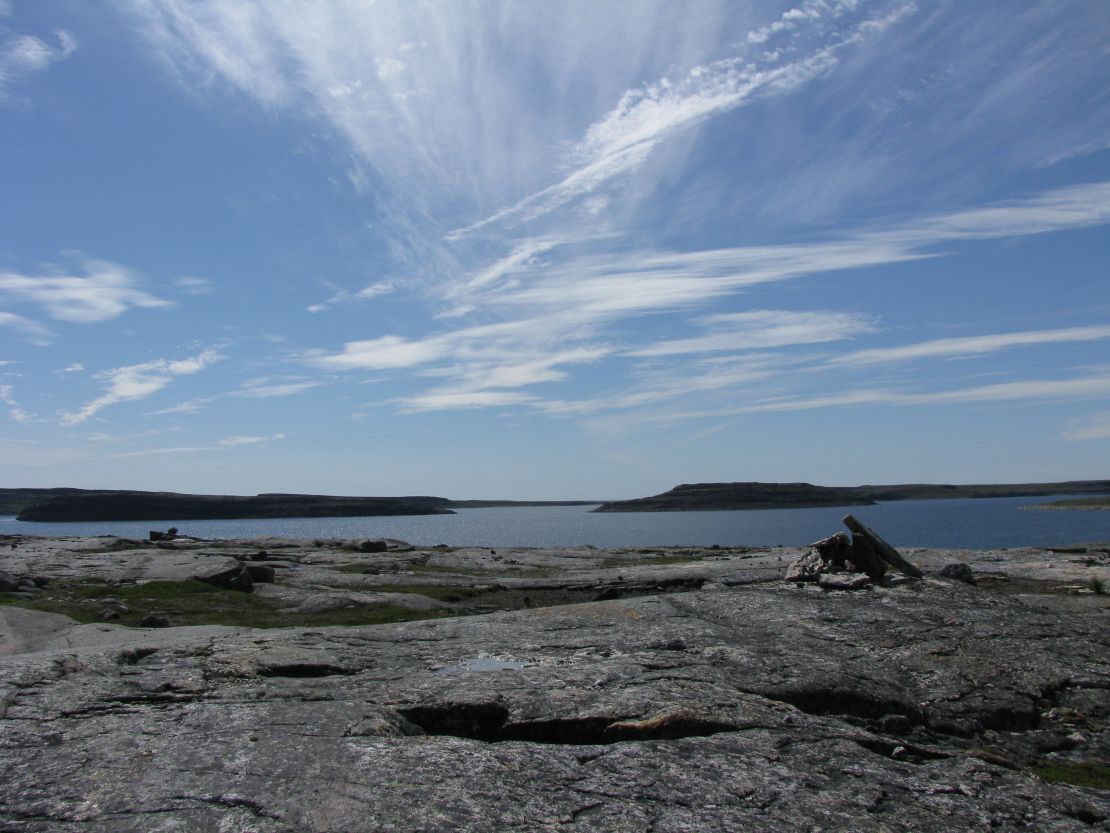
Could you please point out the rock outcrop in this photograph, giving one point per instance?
(757, 705)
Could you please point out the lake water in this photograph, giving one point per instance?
(985, 523)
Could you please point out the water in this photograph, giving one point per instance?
(984, 523)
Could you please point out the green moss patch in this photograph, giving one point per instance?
(443, 592)
(654, 561)
(196, 603)
(1095, 776)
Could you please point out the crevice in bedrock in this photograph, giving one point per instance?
(490, 722)
(841, 698)
(135, 655)
(301, 670)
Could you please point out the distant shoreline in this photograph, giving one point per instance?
(75, 505)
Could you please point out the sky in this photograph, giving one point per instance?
(568, 250)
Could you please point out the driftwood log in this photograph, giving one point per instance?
(866, 558)
(881, 547)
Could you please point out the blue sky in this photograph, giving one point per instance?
(552, 250)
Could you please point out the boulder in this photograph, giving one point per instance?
(260, 573)
(958, 572)
(232, 578)
(807, 568)
(843, 581)
(8, 582)
(835, 549)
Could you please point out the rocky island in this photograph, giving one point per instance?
(709, 496)
(321, 685)
(151, 506)
(68, 504)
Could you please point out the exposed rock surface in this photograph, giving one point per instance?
(749, 704)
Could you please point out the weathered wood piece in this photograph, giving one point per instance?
(865, 558)
(885, 550)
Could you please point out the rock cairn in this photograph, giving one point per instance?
(849, 562)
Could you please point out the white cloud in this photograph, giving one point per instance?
(257, 389)
(387, 68)
(970, 345)
(624, 138)
(1098, 428)
(385, 353)
(195, 286)
(232, 442)
(275, 390)
(423, 100)
(76, 367)
(1073, 207)
(32, 330)
(105, 291)
(14, 410)
(558, 304)
(454, 400)
(790, 19)
(522, 254)
(364, 294)
(763, 329)
(1030, 390)
(225, 444)
(138, 381)
(24, 55)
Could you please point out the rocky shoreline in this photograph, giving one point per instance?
(1093, 504)
(665, 689)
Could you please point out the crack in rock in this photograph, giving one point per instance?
(490, 722)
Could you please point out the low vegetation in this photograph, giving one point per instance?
(196, 603)
(657, 561)
(1102, 502)
(1087, 774)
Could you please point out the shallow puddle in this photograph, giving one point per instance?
(483, 664)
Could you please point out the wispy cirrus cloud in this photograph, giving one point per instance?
(105, 291)
(762, 330)
(1029, 390)
(546, 271)
(623, 139)
(24, 55)
(343, 296)
(30, 329)
(256, 389)
(563, 303)
(226, 444)
(970, 345)
(1096, 428)
(7, 396)
(138, 381)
